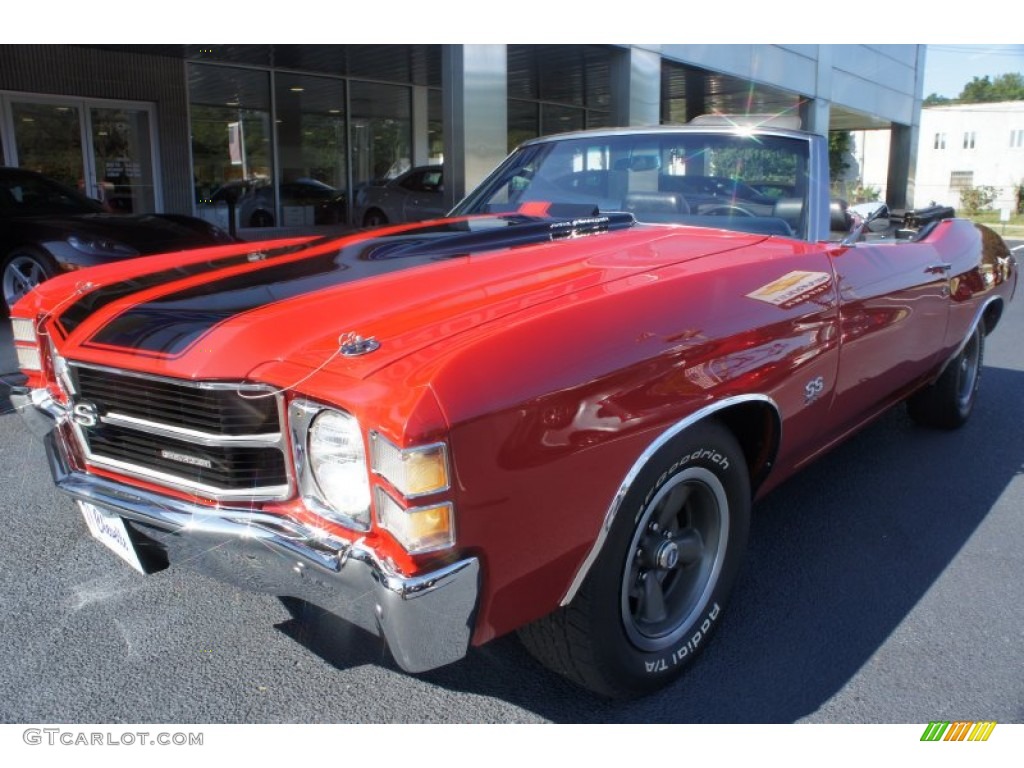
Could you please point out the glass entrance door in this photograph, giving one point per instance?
(103, 149)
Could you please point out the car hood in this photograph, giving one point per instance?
(146, 233)
(223, 313)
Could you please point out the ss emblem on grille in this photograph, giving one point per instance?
(85, 414)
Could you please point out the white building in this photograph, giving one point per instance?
(962, 145)
(970, 145)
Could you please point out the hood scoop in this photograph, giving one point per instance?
(478, 236)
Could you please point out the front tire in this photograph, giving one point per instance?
(656, 592)
(948, 403)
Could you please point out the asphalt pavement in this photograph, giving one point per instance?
(882, 585)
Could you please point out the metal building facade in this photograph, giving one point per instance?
(467, 103)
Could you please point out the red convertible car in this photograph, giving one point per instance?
(550, 412)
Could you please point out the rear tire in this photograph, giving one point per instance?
(656, 591)
(948, 403)
(261, 218)
(374, 218)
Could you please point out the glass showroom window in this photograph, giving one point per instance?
(435, 128)
(311, 150)
(381, 128)
(121, 151)
(231, 145)
(49, 140)
(523, 122)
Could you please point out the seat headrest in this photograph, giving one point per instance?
(655, 202)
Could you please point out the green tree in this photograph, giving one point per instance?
(1008, 87)
(977, 199)
(934, 100)
(838, 151)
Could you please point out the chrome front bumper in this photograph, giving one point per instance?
(426, 620)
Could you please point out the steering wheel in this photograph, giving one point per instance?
(727, 210)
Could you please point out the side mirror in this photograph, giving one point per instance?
(873, 217)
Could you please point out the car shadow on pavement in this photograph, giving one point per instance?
(839, 556)
(338, 642)
(6, 383)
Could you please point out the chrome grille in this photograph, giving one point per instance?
(220, 439)
(220, 410)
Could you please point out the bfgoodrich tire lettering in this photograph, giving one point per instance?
(657, 590)
(947, 404)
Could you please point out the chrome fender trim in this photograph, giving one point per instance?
(991, 300)
(639, 464)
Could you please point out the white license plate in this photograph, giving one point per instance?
(109, 529)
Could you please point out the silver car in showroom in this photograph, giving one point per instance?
(415, 195)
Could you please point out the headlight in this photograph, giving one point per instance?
(100, 246)
(338, 462)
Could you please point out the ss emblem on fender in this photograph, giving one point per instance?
(813, 389)
(85, 414)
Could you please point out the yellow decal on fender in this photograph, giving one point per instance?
(793, 288)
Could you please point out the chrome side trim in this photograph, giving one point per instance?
(966, 339)
(638, 465)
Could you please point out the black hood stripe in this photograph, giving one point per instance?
(92, 302)
(169, 325)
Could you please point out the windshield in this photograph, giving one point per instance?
(753, 183)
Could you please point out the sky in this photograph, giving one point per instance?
(948, 68)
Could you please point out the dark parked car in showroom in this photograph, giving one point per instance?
(255, 207)
(47, 228)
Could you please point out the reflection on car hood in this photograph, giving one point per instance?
(407, 287)
(146, 233)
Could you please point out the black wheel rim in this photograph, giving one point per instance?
(675, 559)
